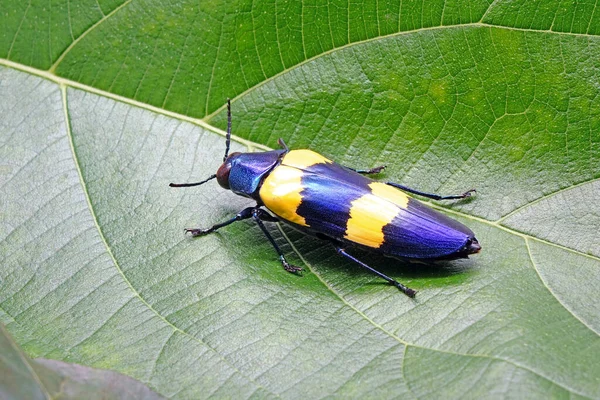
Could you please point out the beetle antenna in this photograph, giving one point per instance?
(227, 145)
(193, 184)
(228, 137)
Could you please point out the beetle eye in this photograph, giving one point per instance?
(223, 175)
(223, 171)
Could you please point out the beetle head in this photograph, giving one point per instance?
(241, 172)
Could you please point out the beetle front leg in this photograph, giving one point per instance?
(466, 194)
(259, 216)
(244, 214)
(404, 289)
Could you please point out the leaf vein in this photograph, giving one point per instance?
(61, 57)
(552, 292)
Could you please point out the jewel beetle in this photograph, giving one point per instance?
(340, 205)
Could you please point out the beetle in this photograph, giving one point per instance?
(340, 205)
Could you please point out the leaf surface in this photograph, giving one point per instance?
(498, 97)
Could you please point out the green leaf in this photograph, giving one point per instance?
(22, 378)
(96, 270)
(189, 57)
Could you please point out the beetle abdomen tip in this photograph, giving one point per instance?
(474, 247)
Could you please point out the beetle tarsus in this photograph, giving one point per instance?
(289, 267)
(468, 193)
(377, 170)
(404, 289)
(198, 232)
(371, 171)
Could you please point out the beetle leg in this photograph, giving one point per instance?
(371, 171)
(282, 144)
(259, 216)
(406, 290)
(265, 216)
(244, 214)
(466, 194)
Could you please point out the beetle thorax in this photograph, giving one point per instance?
(247, 170)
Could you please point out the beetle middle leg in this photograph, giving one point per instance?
(433, 196)
(259, 216)
(404, 289)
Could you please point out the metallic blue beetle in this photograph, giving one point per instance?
(338, 204)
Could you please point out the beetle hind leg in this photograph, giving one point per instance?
(404, 289)
(433, 196)
(259, 216)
